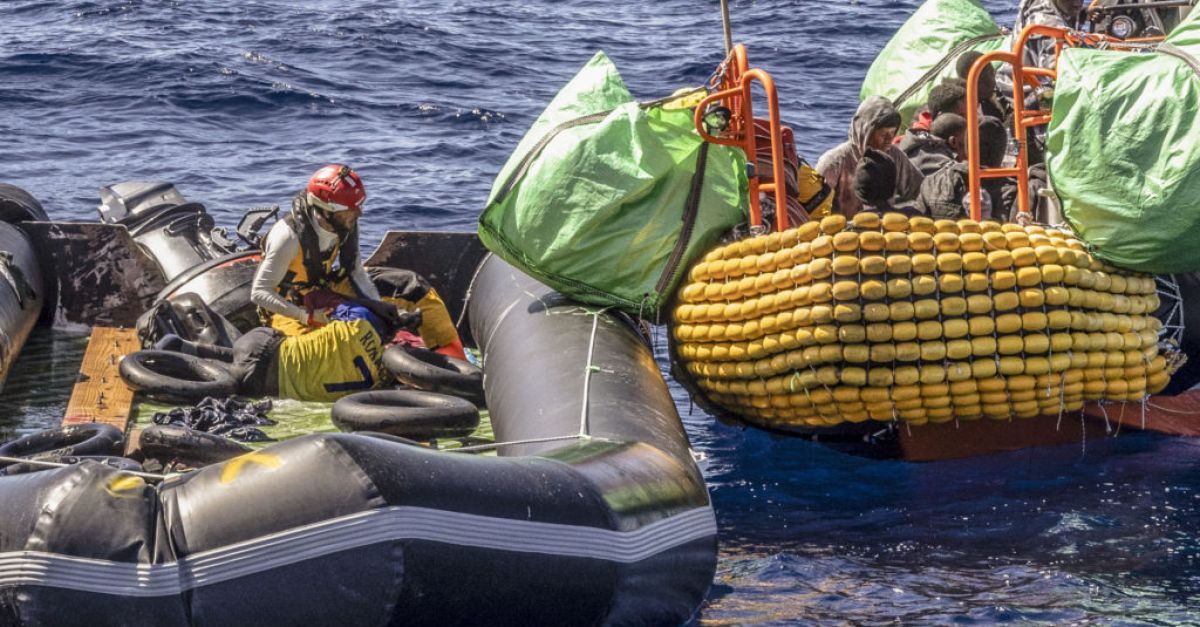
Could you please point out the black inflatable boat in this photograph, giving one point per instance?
(20, 274)
(591, 511)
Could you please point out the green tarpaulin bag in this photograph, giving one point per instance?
(608, 201)
(926, 49)
(1124, 151)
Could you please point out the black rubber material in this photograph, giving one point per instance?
(167, 443)
(18, 205)
(424, 369)
(112, 461)
(54, 444)
(170, 375)
(410, 414)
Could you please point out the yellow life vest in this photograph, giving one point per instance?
(814, 193)
(311, 268)
(330, 362)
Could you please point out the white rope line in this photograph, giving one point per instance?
(470, 290)
(495, 445)
(49, 464)
(583, 433)
(588, 369)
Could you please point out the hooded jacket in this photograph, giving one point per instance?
(944, 195)
(927, 152)
(839, 164)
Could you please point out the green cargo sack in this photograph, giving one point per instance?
(1124, 151)
(926, 49)
(609, 201)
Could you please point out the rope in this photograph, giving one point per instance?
(496, 445)
(38, 462)
(589, 368)
(470, 289)
(583, 434)
(1165, 409)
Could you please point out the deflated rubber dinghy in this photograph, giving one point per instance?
(592, 513)
(20, 276)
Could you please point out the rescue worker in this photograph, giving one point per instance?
(311, 263)
(874, 126)
(1039, 51)
(314, 246)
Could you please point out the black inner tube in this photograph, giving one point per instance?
(54, 444)
(176, 375)
(424, 369)
(410, 414)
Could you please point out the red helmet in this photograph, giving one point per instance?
(336, 188)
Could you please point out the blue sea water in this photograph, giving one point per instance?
(237, 102)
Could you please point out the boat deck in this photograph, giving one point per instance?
(100, 395)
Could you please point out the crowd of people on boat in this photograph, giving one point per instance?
(923, 169)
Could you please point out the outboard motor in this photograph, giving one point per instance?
(194, 257)
(175, 233)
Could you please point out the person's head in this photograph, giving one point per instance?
(987, 76)
(1069, 9)
(952, 129)
(336, 194)
(874, 124)
(875, 178)
(993, 142)
(949, 96)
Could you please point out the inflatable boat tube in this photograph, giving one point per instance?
(94, 438)
(167, 443)
(605, 525)
(18, 205)
(21, 288)
(427, 370)
(176, 376)
(411, 414)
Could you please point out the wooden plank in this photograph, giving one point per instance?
(100, 395)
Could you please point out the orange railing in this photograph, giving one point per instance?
(1022, 119)
(733, 91)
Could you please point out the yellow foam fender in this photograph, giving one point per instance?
(895, 318)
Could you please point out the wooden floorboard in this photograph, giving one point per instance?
(100, 395)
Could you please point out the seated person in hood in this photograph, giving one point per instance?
(873, 127)
(944, 193)
(875, 184)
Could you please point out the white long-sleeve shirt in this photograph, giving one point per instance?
(281, 246)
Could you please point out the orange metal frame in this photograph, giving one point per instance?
(1022, 119)
(734, 92)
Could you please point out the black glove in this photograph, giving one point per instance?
(408, 320)
(395, 317)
